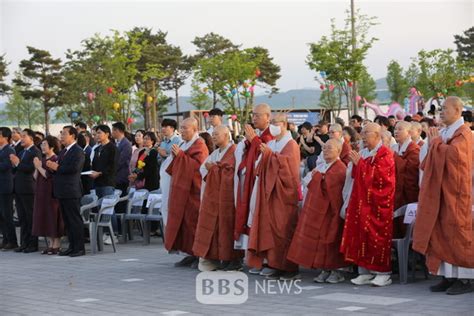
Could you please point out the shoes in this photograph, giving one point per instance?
(53, 251)
(195, 264)
(267, 271)
(363, 279)
(460, 287)
(322, 277)
(108, 240)
(255, 271)
(186, 262)
(275, 275)
(30, 250)
(235, 265)
(77, 253)
(66, 252)
(207, 265)
(20, 249)
(45, 252)
(335, 277)
(288, 276)
(8, 247)
(2, 245)
(381, 280)
(442, 286)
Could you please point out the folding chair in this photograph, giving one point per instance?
(153, 215)
(133, 212)
(103, 219)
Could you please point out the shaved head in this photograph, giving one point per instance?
(280, 117)
(402, 131)
(373, 127)
(335, 143)
(331, 150)
(335, 131)
(189, 128)
(220, 136)
(455, 102)
(261, 116)
(371, 135)
(263, 108)
(192, 122)
(451, 110)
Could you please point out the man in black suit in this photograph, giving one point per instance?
(16, 140)
(24, 186)
(6, 191)
(67, 189)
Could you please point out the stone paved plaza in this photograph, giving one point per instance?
(141, 280)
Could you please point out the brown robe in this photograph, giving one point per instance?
(276, 211)
(214, 233)
(444, 227)
(318, 234)
(184, 198)
(346, 150)
(406, 183)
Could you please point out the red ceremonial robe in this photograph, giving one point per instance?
(318, 234)
(276, 210)
(184, 198)
(406, 186)
(344, 156)
(243, 198)
(214, 234)
(367, 236)
(444, 229)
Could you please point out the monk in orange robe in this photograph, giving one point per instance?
(444, 230)
(407, 162)
(246, 154)
(275, 216)
(367, 237)
(214, 240)
(185, 189)
(318, 234)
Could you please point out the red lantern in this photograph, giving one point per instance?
(90, 96)
(129, 120)
(321, 87)
(258, 72)
(331, 87)
(110, 90)
(206, 114)
(350, 84)
(233, 117)
(459, 83)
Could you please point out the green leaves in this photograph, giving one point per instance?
(397, 84)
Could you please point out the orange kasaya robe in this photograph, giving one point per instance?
(407, 178)
(184, 198)
(276, 210)
(344, 156)
(444, 226)
(367, 236)
(318, 234)
(251, 155)
(214, 233)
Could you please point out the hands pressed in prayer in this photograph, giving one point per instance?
(263, 148)
(354, 157)
(14, 160)
(175, 150)
(52, 165)
(249, 133)
(37, 162)
(162, 152)
(433, 132)
(209, 165)
(95, 174)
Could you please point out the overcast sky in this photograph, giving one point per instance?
(284, 27)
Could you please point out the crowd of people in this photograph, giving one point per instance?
(278, 197)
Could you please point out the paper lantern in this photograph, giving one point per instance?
(358, 98)
(230, 95)
(149, 99)
(245, 85)
(110, 117)
(233, 117)
(252, 88)
(96, 118)
(331, 87)
(129, 120)
(110, 90)
(206, 114)
(321, 87)
(205, 90)
(234, 91)
(74, 115)
(323, 74)
(116, 106)
(247, 94)
(258, 72)
(90, 96)
(350, 83)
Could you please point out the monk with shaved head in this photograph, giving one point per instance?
(318, 235)
(214, 242)
(444, 230)
(185, 192)
(367, 236)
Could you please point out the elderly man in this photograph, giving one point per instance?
(246, 154)
(214, 241)
(415, 133)
(444, 225)
(274, 216)
(335, 132)
(367, 236)
(318, 235)
(184, 192)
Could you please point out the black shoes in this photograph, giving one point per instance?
(8, 247)
(442, 286)
(20, 249)
(30, 250)
(187, 261)
(460, 287)
(66, 252)
(77, 253)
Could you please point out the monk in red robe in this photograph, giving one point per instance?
(367, 236)
(318, 234)
(335, 132)
(415, 133)
(273, 221)
(247, 153)
(214, 241)
(407, 162)
(444, 230)
(185, 190)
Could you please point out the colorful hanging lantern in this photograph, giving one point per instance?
(110, 90)
(206, 114)
(322, 87)
(130, 120)
(233, 117)
(331, 87)
(258, 73)
(149, 99)
(96, 118)
(350, 83)
(90, 96)
(358, 98)
(116, 106)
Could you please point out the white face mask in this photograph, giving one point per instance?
(275, 130)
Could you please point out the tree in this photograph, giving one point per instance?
(367, 86)
(397, 84)
(465, 46)
(334, 58)
(4, 88)
(200, 98)
(42, 80)
(21, 112)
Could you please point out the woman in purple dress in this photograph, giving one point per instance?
(47, 220)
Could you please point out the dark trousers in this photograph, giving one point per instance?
(6, 214)
(71, 212)
(24, 209)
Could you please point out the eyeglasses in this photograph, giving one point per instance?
(257, 114)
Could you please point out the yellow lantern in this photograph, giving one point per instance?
(149, 99)
(116, 106)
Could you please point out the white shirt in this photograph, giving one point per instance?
(448, 132)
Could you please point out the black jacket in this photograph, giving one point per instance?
(6, 170)
(104, 161)
(24, 181)
(67, 179)
(150, 173)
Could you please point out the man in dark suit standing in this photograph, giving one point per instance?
(6, 191)
(16, 140)
(67, 188)
(122, 164)
(24, 186)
